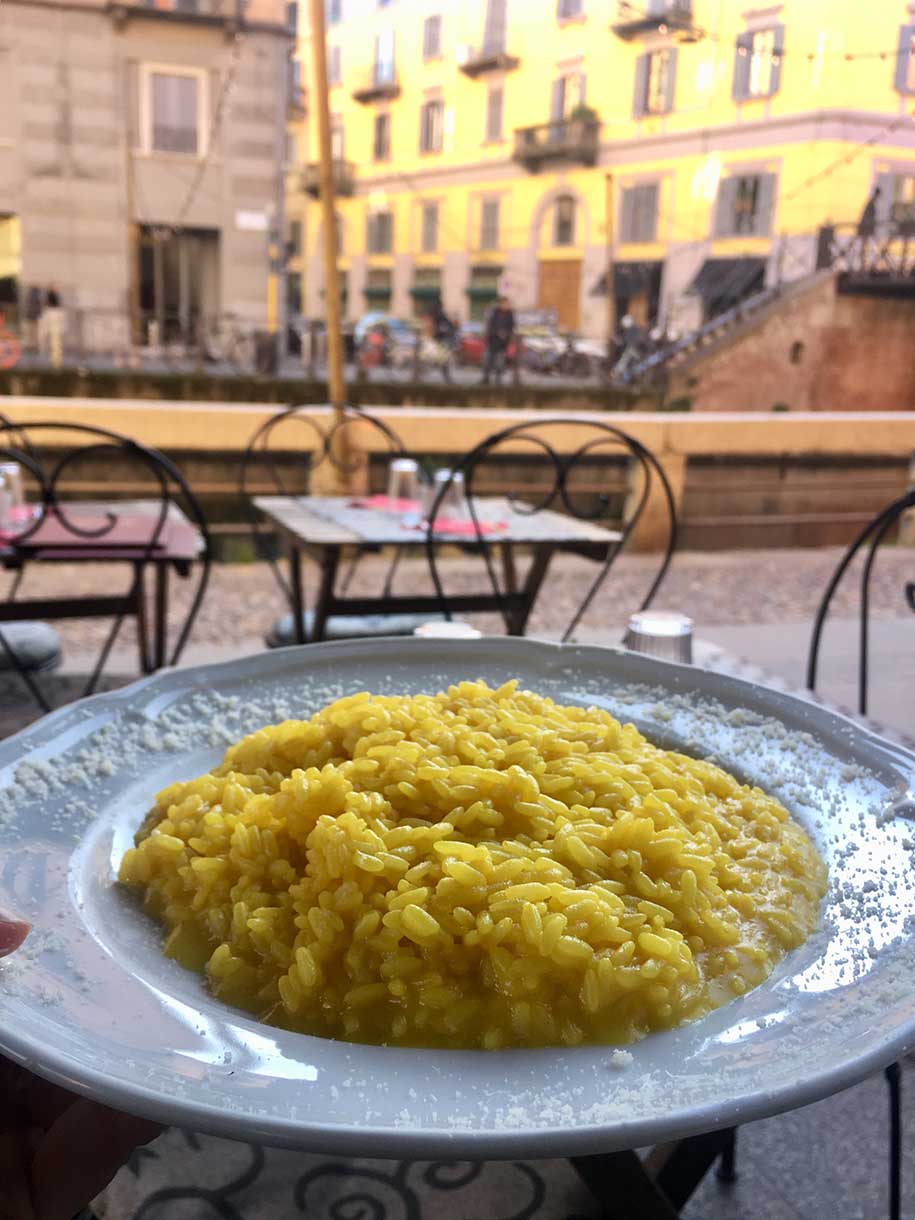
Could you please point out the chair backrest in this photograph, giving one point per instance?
(868, 539)
(49, 454)
(274, 437)
(597, 501)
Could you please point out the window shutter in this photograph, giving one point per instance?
(557, 98)
(640, 94)
(582, 83)
(741, 86)
(650, 212)
(775, 79)
(903, 56)
(765, 201)
(724, 208)
(886, 184)
(627, 215)
(670, 84)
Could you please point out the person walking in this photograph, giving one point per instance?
(51, 328)
(500, 330)
(32, 310)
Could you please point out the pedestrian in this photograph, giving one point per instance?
(867, 225)
(34, 304)
(500, 330)
(443, 329)
(51, 328)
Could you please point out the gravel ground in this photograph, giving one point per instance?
(714, 588)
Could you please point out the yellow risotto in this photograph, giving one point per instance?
(476, 868)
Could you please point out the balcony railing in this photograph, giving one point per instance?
(344, 178)
(199, 11)
(380, 84)
(634, 20)
(490, 57)
(575, 140)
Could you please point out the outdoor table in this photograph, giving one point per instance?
(321, 526)
(133, 525)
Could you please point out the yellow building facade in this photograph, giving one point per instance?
(524, 146)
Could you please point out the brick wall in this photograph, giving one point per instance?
(815, 350)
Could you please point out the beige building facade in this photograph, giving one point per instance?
(141, 154)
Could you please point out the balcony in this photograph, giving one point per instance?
(379, 85)
(572, 140)
(344, 178)
(656, 17)
(488, 58)
(197, 12)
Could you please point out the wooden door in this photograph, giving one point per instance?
(559, 288)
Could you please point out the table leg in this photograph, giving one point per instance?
(330, 561)
(160, 628)
(678, 1168)
(535, 577)
(139, 597)
(509, 570)
(295, 588)
(623, 1187)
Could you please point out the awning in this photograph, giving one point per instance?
(630, 279)
(728, 278)
(426, 292)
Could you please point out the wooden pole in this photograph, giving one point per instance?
(611, 299)
(336, 383)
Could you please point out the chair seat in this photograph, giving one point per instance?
(348, 627)
(37, 646)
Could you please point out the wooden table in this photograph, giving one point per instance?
(128, 539)
(321, 526)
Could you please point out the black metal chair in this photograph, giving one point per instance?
(869, 540)
(602, 444)
(146, 535)
(265, 449)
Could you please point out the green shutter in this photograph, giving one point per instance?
(765, 201)
(640, 91)
(724, 207)
(775, 79)
(741, 84)
(670, 84)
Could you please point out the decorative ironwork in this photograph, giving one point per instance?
(487, 58)
(654, 17)
(576, 140)
(881, 263)
(17, 445)
(344, 178)
(560, 494)
(377, 87)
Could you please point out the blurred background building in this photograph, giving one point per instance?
(473, 143)
(141, 152)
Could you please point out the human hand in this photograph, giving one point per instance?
(57, 1150)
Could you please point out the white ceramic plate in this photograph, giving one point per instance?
(92, 1004)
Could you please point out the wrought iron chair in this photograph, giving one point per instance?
(265, 449)
(151, 533)
(869, 540)
(601, 443)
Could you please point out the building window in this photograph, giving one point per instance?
(745, 205)
(655, 77)
(337, 145)
(426, 291)
(429, 241)
(292, 17)
(564, 221)
(384, 58)
(567, 9)
(495, 99)
(758, 62)
(294, 245)
(294, 82)
(432, 37)
(489, 224)
(333, 11)
(378, 289)
(431, 126)
(482, 291)
(380, 234)
(902, 203)
(905, 60)
(334, 65)
(294, 292)
(567, 95)
(175, 102)
(639, 213)
(381, 137)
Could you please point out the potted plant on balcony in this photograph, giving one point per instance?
(583, 126)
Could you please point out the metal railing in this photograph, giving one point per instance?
(344, 178)
(573, 139)
(635, 19)
(887, 255)
(381, 81)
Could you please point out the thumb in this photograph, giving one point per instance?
(81, 1153)
(12, 933)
